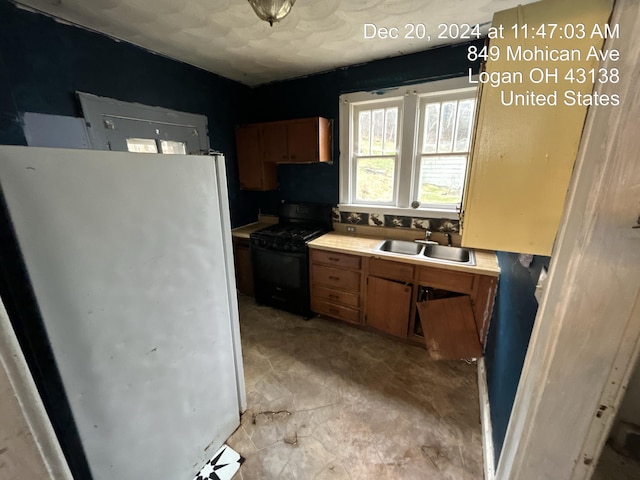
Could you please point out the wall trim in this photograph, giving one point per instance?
(488, 450)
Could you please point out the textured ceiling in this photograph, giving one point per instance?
(227, 38)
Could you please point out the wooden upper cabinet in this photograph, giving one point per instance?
(274, 142)
(523, 155)
(262, 146)
(308, 140)
(254, 172)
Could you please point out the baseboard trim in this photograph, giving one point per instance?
(485, 422)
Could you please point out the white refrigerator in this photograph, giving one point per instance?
(130, 259)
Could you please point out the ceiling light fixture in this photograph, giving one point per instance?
(272, 10)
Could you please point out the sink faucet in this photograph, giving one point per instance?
(427, 234)
(448, 235)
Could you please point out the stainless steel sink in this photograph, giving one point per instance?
(400, 247)
(450, 254)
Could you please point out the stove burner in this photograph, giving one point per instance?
(287, 237)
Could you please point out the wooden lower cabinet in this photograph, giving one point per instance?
(388, 306)
(336, 285)
(449, 328)
(389, 296)
(453, 311)
(242, 263)
(446, 311)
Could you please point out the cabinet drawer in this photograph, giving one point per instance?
(336, 259)
(335, 296)
(389, 269)
(336, 311)
(335, 278)
(446, 279)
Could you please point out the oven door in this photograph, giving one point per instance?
(281, 279)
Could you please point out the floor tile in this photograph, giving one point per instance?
(329, 401)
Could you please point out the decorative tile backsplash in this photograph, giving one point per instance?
(396, 221)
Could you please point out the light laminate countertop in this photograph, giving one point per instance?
(246, 230)
(486, 261)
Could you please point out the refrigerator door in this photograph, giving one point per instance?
(129, 259)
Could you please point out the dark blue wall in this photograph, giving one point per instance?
(317, 95)
(508, 339)
(43, 63)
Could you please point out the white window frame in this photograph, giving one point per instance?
(384, 103)
(409, 131)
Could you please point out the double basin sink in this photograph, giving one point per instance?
(432, 251)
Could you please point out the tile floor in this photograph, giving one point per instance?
(328, 401)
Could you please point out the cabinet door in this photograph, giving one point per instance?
(249, 160)
(388, 306)
(274, 142)
(523, 154)
(449, 328)
(254, 173)
(307, 140)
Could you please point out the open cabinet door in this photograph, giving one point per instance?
(449, 328)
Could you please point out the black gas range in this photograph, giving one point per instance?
(279, 255)
(287, 237)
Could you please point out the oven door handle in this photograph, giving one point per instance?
(258, 248)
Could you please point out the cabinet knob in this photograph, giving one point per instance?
(331, 277)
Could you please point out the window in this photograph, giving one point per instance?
(375, 152)
(405, 151)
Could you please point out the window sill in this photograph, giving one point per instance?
(400, 211)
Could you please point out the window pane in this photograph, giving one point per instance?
(447, 121)
(391, 131)
(142, 145)
(431, 121)
(442, 179)
(377, 131)
(171, 147)
(464, 125)
(374, 179)
(364, 131)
